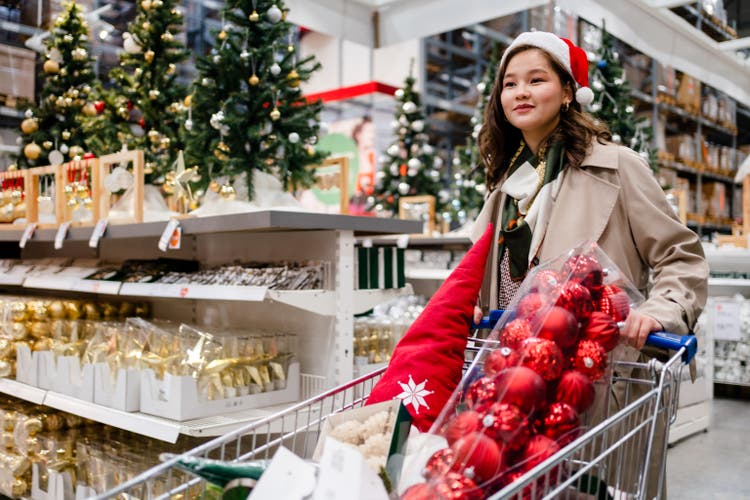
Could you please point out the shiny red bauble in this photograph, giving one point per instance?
(522, 387)
(560, 422)
(614, 302)
(587, 270)
(99, 107)
(462, 424)
(543, 356)
(577, 299)
(601, 327)
(590, 359)
(481, 393)
(500, 359)
(456, 486)
(575, 389)
(477, 456)
(515, 332)
(507, 423)
(439, 464)
(538, 449)
(546, 282)
(558, 325)
(530, 304)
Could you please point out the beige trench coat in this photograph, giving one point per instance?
(614, 199)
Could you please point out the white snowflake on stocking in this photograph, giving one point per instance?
(414, 394)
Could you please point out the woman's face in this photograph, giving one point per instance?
(532, 94)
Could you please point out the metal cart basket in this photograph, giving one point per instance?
(611, 460)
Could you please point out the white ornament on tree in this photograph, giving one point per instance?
(130, 44)
(629, 109)
(403, 188)
(399, 93)
(394, 169)
(274, 14)
(294, 137)
(435, 175)
(409, 107)
(481, 189)
(481, 87)
(393, 150)
(427, 149)
(417, 126)
(597, 85)
(414, 163)
(188, 124)
(275, 69)
(437, 162)
(395, 125)
(217, 119)
(616, 138)
(412, 172)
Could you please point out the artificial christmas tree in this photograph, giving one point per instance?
(144, 107)
(410, 166)
(52, 132)
(613, 103)
(246, 111)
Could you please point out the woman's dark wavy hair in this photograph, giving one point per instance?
(498, 139)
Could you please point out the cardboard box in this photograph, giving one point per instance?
(17, 72)
(399, 432)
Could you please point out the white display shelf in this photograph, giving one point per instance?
(321, 302)
(97, 286)
(194, 291)
(364, 300)
(22, 391)
(139, 423)
(728, 282)
(428, 274)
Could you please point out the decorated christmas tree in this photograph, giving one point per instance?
(410, 166)
(246, 111)
(613, 102)
(468, 186)
(52, 132)
(144, 107)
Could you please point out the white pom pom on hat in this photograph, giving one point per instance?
(568, 54)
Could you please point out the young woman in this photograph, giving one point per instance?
(556, 180)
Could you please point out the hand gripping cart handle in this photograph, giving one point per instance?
(662, 340)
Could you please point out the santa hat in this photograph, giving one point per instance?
(570, 56)
(427, 363)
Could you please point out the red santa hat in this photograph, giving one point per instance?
(570, 56)
(426, 366)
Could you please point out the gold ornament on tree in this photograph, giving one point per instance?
(32, 151)
(253, 80)
(149, 56)
(51, 67)
(146, 4)
(221, 151)
(293, 78)
(275, 114)
(254, 17)
(178, 182)
(29, 125)
(227, 192)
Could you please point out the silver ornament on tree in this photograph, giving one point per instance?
(217, 119)
(275, 69)
(597, 85)
(409, 107)
(629, 109)
(393, 150)
(188, 124)
(616, 138)
(414, 163)
(417, 125)
(293, 137)
(427, 149)
(274, 14)
(393, 169)
(437, 162)
(403, 188)
(435, 175)
(399, 93)
(481, 87)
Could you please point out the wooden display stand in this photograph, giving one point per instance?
(19, 178)
(33, 192)
(740, 234)
(72, 175)
(106, 199)
(420, 206)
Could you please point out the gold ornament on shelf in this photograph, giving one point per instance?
(32, 151)
(275, 114)
(29, 125)
(293, 78)
(253, 80)
(51, 67)
(56, 309)
(227, 192)
(148, 56)
(214, 186)
(254, 16)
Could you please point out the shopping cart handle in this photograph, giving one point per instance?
(488, 322)
(674, 342)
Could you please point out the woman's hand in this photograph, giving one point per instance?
(637, 327)
(477, 314)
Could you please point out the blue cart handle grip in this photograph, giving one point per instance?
(662, 340)
(674, 342)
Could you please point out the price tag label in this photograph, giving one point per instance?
(99, 229)
(171, 236)
(27, 234)
(62, 232)
(727, 320)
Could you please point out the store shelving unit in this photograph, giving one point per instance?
(321, 319)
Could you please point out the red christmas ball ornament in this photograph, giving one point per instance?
(602, 328)
(560, 422)
(587, 270)
(558, 325)
(590, 359)
(500, 359)
(439, 464)
(99, 107)
(129, 105)
(481, 393)
(522, 387)
(462, 424)
(420, 491)
(576, 298)
(537, 450)
(543, 356)
(506, 423)
(515, 332)
(546, 282)
(575, 389)
(142, 123)
(477, 456)
(615, 302)
(456, 486)
(529, 305)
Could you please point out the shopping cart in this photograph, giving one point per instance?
(625, 437)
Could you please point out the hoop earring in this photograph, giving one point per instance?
(565, 107)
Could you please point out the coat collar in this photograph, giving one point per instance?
(602, 155)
